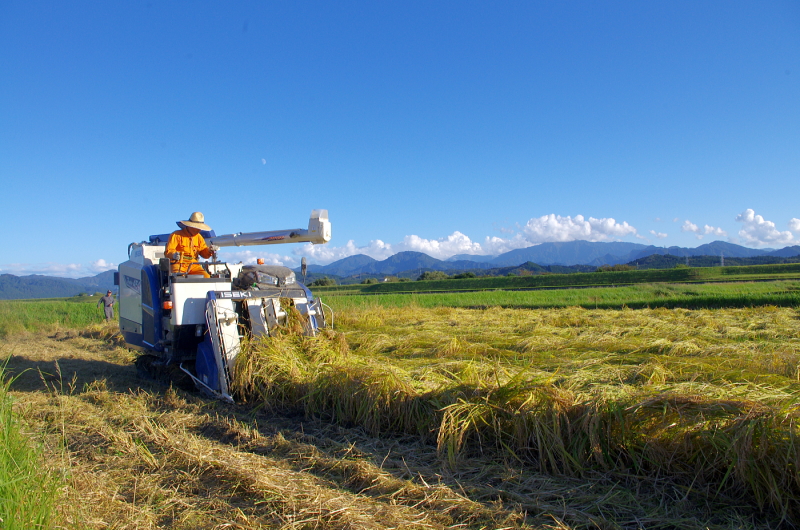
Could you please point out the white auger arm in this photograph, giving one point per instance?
(318, 232)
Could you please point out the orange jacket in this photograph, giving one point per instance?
(188, 246)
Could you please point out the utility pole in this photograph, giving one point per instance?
(721, 260)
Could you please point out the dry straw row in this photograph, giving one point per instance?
(740, 449)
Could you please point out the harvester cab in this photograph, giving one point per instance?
(194, 326)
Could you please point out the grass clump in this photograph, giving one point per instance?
(28, 491)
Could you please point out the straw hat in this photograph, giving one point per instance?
(196, 221)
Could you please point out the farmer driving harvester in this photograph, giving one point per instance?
(185, 244)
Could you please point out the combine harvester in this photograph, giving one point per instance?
(196, 324)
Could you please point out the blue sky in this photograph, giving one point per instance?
(443, 127)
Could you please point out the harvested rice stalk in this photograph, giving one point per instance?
(697, 398)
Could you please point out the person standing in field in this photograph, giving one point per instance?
(184, 246)
(108, 305)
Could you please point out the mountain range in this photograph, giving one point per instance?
(546, 254)
(577, 255)
(38, 286)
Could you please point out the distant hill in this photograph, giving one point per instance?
(786, 252)
(599, 253)
(398, 263)
(412, 264)
(551, 257)
(717, 248)
(569, 253)
(38, 286)
(343, 267)
(471, 257)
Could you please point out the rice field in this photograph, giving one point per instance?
(706, 401)
(20, 316)
(412, 413)
(784, 293)
(679, 275)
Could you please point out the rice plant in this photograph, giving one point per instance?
(784, 293)
(706, 399)
(19, 316)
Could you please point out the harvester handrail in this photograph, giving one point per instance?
(323, 304)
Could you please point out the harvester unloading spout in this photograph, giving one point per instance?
(194, 325)
(318, 232)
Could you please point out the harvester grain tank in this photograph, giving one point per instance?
(195, 325)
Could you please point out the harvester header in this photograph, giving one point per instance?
(189, 325)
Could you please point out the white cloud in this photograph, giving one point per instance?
(101, 265)
(715, 231)
(443, 248)
(689, 226)
(659, 235)
(455, 243)
(675, 220)
(757, 231)
(794, 225)
(497, 245)
(552, 228)
(537, 230)
(324, 254)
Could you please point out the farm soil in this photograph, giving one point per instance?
(136, 455)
